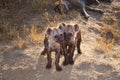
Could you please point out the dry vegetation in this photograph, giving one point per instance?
(33, 3)
(106, 41)
(32, 37)
(23, 37)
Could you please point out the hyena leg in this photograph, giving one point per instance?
(57, 57)
(44, 51)
(45, 46)
(48, 66)
(78, 46)
(65, 62)
(71, 55)
(78, 42)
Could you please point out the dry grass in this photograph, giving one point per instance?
(33, 3)
(51, 21)
(7, 32)
(110, 24)
(20, 37)
(103, 46)
(36, 37)
(42, 3)
(32, 37)
(19, 42)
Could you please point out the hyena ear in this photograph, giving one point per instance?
(76, 27)
(61, 27)
(49, 30)
(63, 24)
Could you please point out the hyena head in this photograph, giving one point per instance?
(55, 34)
(70, 32)
(61, 7)
(60, 31)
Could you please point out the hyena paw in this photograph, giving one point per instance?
(65, 63)
(79, 52)
(71, 62)
(48, 66)
(58, 68)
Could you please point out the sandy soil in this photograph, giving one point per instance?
(28, 64)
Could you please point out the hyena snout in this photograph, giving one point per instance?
(60, 37)
(67, 36)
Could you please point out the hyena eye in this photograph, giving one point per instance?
(55, 36)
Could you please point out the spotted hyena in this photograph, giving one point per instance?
(67, 5)
(72, 39)
(52, 40)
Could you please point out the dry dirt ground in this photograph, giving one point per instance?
(28, 64)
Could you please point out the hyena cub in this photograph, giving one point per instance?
(52, 42)
(72, 38)
(59, 35)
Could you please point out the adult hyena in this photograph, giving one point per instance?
(80, 4)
